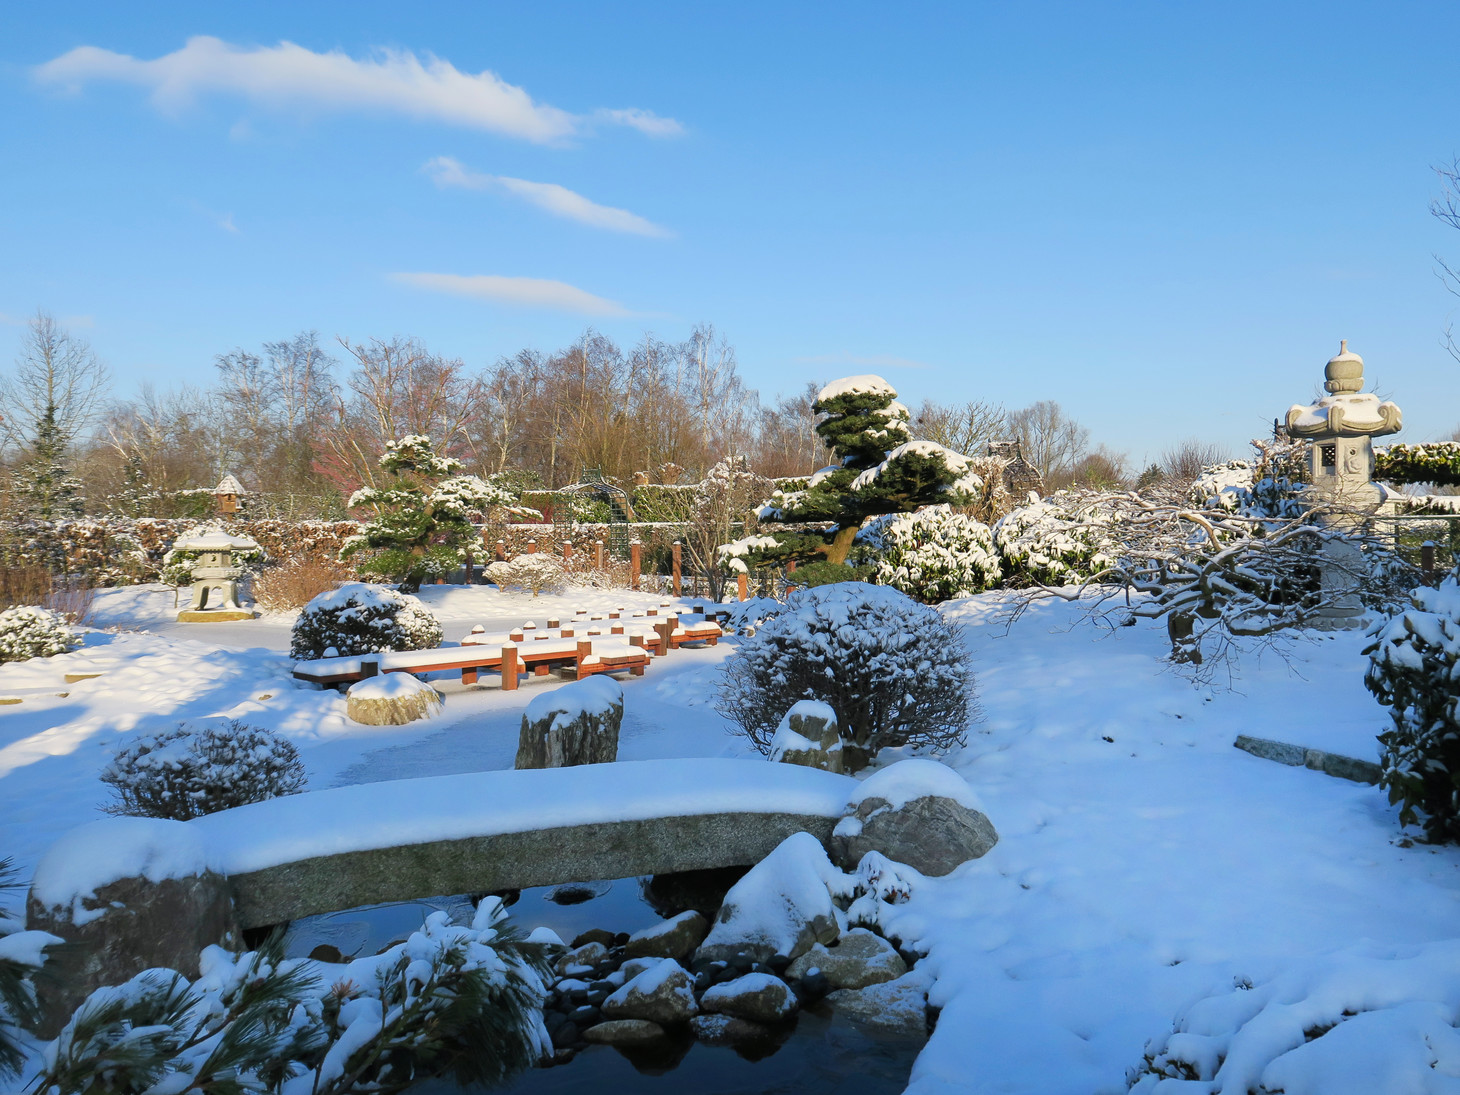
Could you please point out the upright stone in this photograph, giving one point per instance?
(575, 724)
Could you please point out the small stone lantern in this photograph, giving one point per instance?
(1340, 428)
(215, 578)
(225, 496)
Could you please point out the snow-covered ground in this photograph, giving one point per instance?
(1144, 863)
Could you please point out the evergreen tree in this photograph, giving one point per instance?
(423, 516)
(46, 484)
(881, 470)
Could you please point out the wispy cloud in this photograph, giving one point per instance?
(291, 77)
(550, 197)
(882, 361)
(528, 292)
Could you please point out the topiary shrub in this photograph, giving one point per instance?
(29, 631)
(536, 572)
(1056, 541)
(197, 769)
(934, 554)
(894, 671)
(1414, 670)
(360, 618)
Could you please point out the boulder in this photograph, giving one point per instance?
(917, 812)
(662, 994)
(391, 699)
(675, 938)
(625, 1032)
(726, 1030)
(758, 997)
(782, 906)
(575, 724)
(581, 959)
(897, 1007)
(809, 735)
(860, 958)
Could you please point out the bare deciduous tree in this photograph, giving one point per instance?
(1049, 439)
(55, 370)
(1183, 463)
(1447, 209)
(963, 427)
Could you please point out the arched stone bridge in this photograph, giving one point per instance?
(141, 892)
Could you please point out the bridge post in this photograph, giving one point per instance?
(598, 555)
(509, 667)
(742, 586)
(567, 551)
(531, 548)
(500, 552)
(636, 561)
(678, 573)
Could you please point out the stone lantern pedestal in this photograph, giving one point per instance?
(215, 579)
(1340, 429)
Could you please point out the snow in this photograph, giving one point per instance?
(388, 686)
(782, 893)
(416, 811)
(27, 948)
(597, 695)
(956, 462)
(1134, 877)
(101, 852)
(216, 541)
(906, 780)
(868, 384)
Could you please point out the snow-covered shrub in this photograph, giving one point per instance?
(894, 671)
(464, 999)
(177, 564)
(537, 572)
(29, 631)
(1367, 1020)
(201, 768)
(360, 618)
(1238, 486)
(1221, 486)
(1056, 541)
(934, 554)
(1414, 670)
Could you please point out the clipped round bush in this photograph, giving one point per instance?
(360, 618)
(894, 671)
(201, 768)
(1055, 541)
(1414, 670)
(935, 554)
(29, 631)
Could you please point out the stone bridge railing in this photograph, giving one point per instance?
(137, 893)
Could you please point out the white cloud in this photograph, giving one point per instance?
(876, 361)
(288, 76)
(550, 197)
(530, 292)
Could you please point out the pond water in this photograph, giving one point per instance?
(824, 1054)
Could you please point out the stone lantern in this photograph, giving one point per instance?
(1340, 429)
(215, 578)
(225, 496)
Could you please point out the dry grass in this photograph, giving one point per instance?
(33, 585)
(297, 581)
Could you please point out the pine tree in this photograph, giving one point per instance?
(47, 485)
(881, 470)
(423, 524)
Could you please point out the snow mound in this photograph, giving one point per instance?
(596, 695)
(867, 384)
(102, 852)
(907, 780)
(388, 686)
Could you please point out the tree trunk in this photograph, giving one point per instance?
(841, 544)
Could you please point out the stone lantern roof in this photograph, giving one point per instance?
(1346, 411)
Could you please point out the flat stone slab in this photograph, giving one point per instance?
(213, 615)
(1298, 756)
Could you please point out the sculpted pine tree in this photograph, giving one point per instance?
(423, 517)
(880, 470)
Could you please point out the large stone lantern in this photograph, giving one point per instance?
(1340, 429)
(215, 578)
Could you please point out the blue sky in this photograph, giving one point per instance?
(1162, 215)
